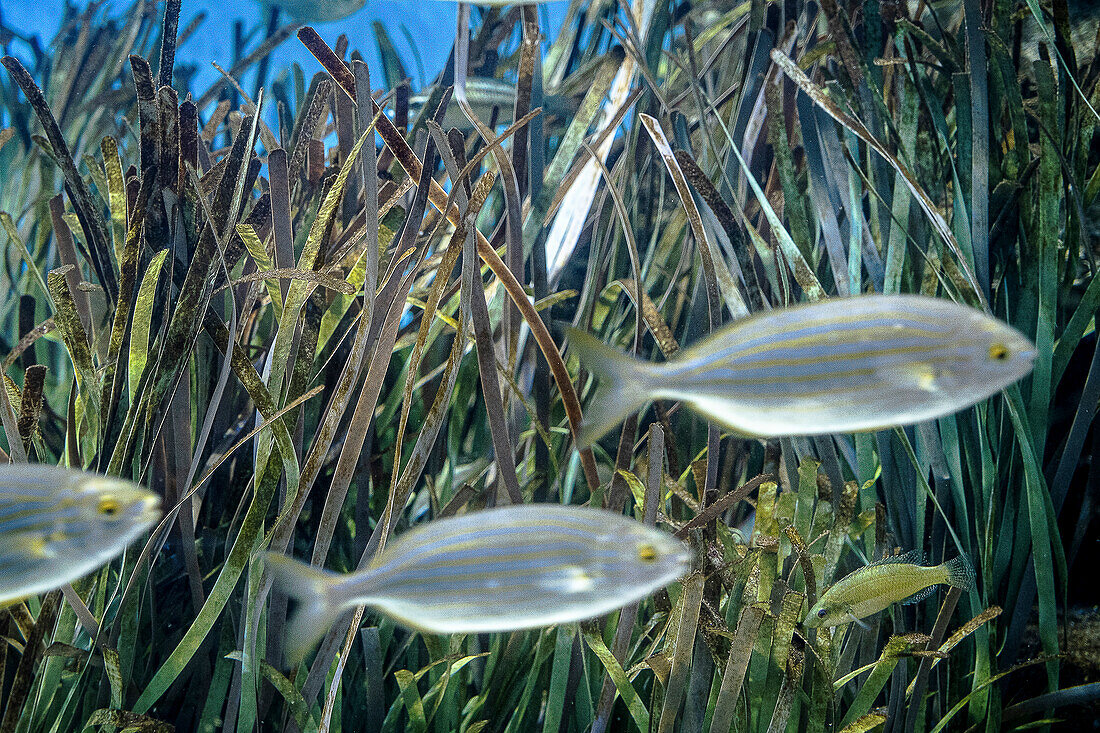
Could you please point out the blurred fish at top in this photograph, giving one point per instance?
(485, 94)
(835, 366)
(514, 567)
(57, 525)
(317, 11)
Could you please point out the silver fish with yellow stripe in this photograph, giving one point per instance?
(57, 525)
(315, 11)
(503, 569)
(835, 366)
(485, 93)
(898, 579)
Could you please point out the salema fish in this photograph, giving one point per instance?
(897, 579)
(485, 93)
(835, 366)
(57, 525)
(316, 11)
(503, 569)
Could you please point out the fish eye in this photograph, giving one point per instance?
(647, 553)
(821, 613)
(109, 506)
(998, 352)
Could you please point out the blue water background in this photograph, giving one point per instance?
(429, 23)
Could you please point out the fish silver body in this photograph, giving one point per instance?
(58, 524)
(835, 366)
(503, 569)
(483, 94)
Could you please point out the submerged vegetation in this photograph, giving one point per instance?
(309, 325)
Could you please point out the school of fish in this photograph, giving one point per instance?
(514, 567)
(836, 366)
(58, 524)
(839, 365)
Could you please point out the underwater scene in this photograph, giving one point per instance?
(580, 366)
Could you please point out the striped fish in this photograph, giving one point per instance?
(315, 11)
(835, 366)
(503, 569)
(898, 579)
(57, 525)
(485, 93)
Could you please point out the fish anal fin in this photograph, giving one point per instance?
(717, 413)
(858, 622)
(919, 596)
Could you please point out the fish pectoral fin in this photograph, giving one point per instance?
(919, 596)
(927, 378)
(858, 622)
(913, 375)
(32, 546)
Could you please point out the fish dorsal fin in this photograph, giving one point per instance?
(919, 595)
(913, 557)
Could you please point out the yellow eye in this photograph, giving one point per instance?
(647, 553)
(109, 506)
(998, 352)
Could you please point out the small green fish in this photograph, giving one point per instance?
(503, 569)
(898, 579)
(58, 525)
(836, 366)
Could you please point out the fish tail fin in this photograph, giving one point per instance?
(960, 573)
(317, 609)
(623, 387)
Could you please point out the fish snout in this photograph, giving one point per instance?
(150, 509)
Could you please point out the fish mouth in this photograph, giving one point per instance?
(1026, 363)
